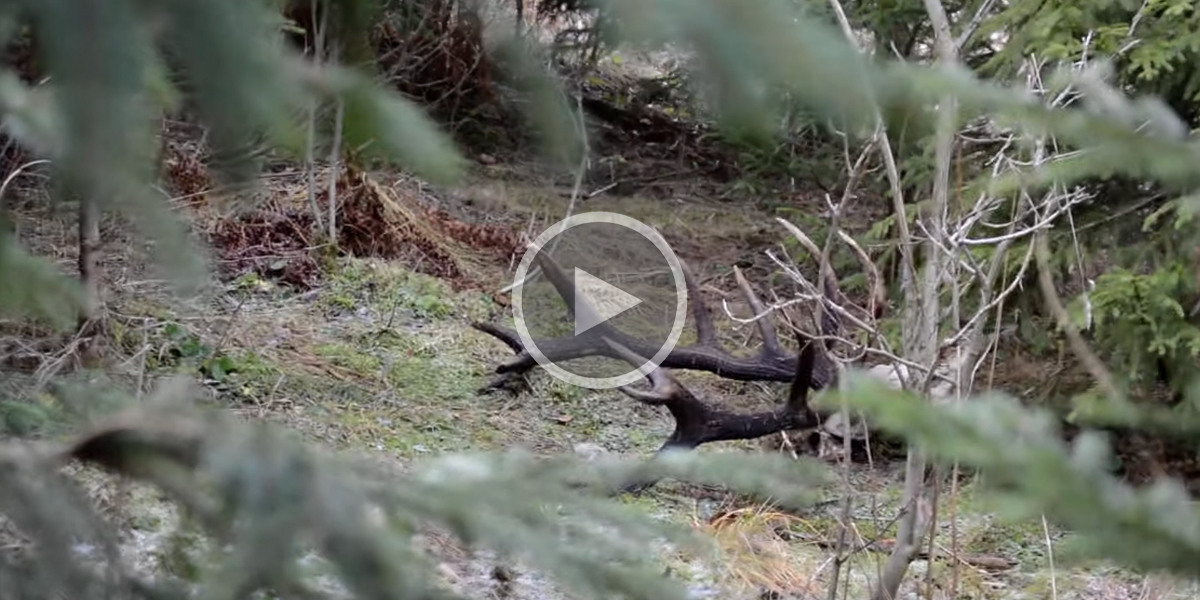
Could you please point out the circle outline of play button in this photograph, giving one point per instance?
(600, 383)
(587, 319)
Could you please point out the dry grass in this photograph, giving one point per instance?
(759, 554)
(694, 226)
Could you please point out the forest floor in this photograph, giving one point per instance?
(372, 352)
(375, 355)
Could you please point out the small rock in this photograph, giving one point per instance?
(837, 426)
(589, 451)
(487, 159)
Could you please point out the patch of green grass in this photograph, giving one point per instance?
(408, 429)
(641, 439)
(175, 346)
(987, 526)
(1021, 540)
(386, 289)
(561, 392)
(252, 365)
(650, 503)
(404, 366)
(430, 378)
(368, 417)
(411, 393)
(350, 357)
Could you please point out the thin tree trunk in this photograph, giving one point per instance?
(333, 54)
(89, 274)
(318, 51)
(335, 168)
(921, 326)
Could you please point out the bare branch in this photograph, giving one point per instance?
(765, 328)
(1078, 345)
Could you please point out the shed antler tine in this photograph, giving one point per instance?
(563, 284)
(661, 384)
(797, 399)
(813, 250)
(705, 332)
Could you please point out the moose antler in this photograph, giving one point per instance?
(698, 422)
(771, 363)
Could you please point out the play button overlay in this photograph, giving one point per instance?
(620, 276)
(597, 301)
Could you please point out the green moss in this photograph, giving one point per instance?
(412, 430)
(426, 377)
(341, 301)
(251, 364)
(645, 440)
(563, 392)
(347, 356)
(1024, 541)
(411, 365)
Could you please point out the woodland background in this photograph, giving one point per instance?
(244, 245)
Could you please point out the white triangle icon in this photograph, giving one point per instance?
(597, 301)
